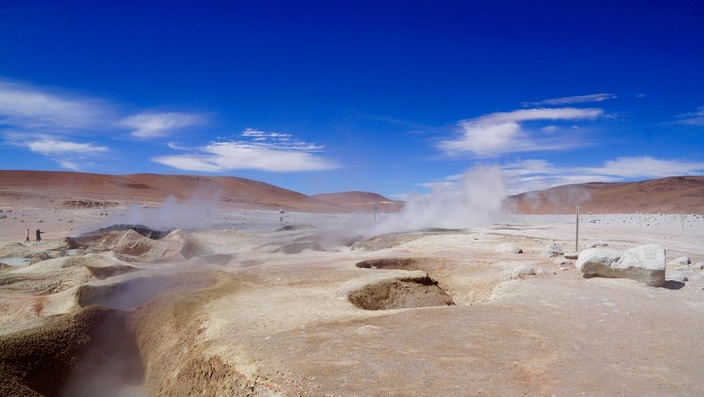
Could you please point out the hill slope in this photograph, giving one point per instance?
(361, 201)
(675, 195)
(60, 189)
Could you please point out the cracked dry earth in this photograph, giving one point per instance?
(435, 312)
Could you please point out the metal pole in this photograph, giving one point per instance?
(576, 238)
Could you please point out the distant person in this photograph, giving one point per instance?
(39, 235)
(26, 237)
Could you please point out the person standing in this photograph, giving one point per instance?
(39, 235)
(26, 237)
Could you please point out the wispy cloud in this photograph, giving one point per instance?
(571, 100)
(63, 126)
(503, 132)
(156, 125)
(31, 108)
(69, 154)
(647, 167)
(51, 146)
(692, 118)
(266, 151)
(530, 175)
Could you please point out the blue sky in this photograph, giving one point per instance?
(382, 96)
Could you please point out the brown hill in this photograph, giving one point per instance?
(361, 201)
(50, 189)
(674, 195)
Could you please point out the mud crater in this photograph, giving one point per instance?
(402, 292)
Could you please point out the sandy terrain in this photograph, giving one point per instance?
(244, 302)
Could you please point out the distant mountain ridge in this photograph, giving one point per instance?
(62, 189)
(674, 195)
(49, 189)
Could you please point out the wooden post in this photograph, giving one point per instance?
(576, 238)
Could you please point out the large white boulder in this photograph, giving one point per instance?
(645, 263)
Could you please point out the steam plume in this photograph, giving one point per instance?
(471, 203)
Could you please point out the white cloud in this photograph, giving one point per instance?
(26, 107)
(693, 118)
(570, 100)
(67, 153)
(502, 132)
(278, 141)
(647, 167)
(531, 175)
(277, 152)
(68, 165)
(52, 146)
(56, 123)
(155, 125)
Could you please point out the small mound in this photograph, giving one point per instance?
(141, 229)
(103, 272)
(401, 293)
(384, 241)
(299, 246)
(133, 247)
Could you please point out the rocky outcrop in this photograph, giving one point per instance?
(645, 263)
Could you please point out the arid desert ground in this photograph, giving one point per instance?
(284, 295)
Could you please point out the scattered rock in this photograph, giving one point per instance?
(522, 270)
(551, 250)
(562, 262)
(681, 277)
(367, 328)
(699, 265)
(509, 248)
(598, 244)
(571, 255)
(682, 260)
(645, 263)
